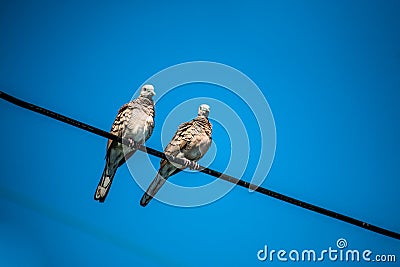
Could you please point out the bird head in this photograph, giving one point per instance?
(147, 91)
(204, 110)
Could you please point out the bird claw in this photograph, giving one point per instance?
(132, 144)
(193, 165)
(186, 163)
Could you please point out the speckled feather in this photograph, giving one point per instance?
(188, 136)
(126, 117)
(191, 141)
(135, 120)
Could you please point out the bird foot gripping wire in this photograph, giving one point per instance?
(183, 163)
(193, 165)
(132, 144)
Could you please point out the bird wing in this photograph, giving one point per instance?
(119, 124)
(182, 137)
(114, 154)
(137, 111)
(189, 136)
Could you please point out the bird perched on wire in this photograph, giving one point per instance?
(135, 122)
(190, 143)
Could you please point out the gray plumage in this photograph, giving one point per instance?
(190, 143)
(134, 121)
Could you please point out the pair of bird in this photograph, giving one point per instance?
(135, 122)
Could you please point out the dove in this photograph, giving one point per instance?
(190, 143)
(135, 122)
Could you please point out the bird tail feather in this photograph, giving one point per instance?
(104, 185)
(154, 187)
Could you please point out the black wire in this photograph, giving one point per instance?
(208, 171)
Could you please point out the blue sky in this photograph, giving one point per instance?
(330, 73)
